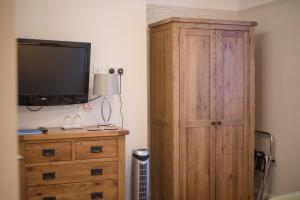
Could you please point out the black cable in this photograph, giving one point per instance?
(34, 110)
(95, 98)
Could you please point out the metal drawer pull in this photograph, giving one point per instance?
(96, 172)
(97, 195)
(48, 152)
(49, 198)
(96, 149)
(49, 175)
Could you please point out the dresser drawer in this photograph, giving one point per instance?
(47, 152)
(95, 149)
(104, 190)
(45, 175)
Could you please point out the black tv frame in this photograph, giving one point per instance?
(54, 100)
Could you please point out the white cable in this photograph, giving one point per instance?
(121, 103)
(121, 113)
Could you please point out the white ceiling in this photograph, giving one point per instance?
(233, 5)
(244, 4)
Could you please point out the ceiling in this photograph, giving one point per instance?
(232, 5)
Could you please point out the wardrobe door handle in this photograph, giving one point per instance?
(219, 123)
(213, 123)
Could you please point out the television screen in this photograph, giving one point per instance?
(53, 72)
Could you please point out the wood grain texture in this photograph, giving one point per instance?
(176, 109)
(121, 168)
(71, 173)
(58, 133)
(232, 114)
(34, 152)
(73, 178)
(74, 191)
(251, 112)
(202, 109)
(202, 21)
(161, 107)
(197, 111)
(22, 171)
(83, 149)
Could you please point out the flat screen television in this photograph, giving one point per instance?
(53, 72)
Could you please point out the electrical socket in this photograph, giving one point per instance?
(100, 68)
(118, 69)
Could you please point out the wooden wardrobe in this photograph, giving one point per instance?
(202, 109)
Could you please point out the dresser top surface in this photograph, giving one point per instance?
(203, 21)
(58, 133)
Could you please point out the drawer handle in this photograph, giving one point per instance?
(97, 195)
(96, 172)
(49, 175)
(48, 152)
(96, 149)
(49, 198)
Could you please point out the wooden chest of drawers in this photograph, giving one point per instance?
(76, 164)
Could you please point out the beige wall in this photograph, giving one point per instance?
(278, 71)
(278, 82)
(117, 31)
(202, 4)
(8, 142)
(229, 5)
(160, 12)
(119, 38)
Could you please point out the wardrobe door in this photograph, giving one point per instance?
(197, 112)
(232, 133)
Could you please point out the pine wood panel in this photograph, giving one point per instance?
(197, 111)
(193, 84)
(162, 138)
(202, 21)
(71, 173)
(83, 149)
(198, 163)
(233, 120)
(34, 152)
(55, 133)
(73, 178)
(74, 191)
(121, 168)
(250, 172)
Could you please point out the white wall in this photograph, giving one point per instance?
(117, 31)
(9, 184)
(277, 90)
